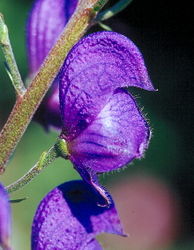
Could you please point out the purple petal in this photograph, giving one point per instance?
(5, 220)
(45, 23)
(117, 136)
(48, 113)
(94, 68)
(69, 218)
(90, 177)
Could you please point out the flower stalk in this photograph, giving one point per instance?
(45, 159)
(10, 61)
(26, 106)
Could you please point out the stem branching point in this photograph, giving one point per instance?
(44, 161)
(26, 106)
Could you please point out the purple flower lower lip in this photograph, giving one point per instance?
(69, 218)
(102, 124)
(5, 220)
(117, 136)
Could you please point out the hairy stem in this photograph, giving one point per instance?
(45, 159)
(11, 65)
(58, 150)
(26, 106)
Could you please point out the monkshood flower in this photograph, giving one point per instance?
(46, 21)
(69, 218)
(5, 220)
(101, 122)
(102, 125)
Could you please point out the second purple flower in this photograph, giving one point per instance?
(46, 21)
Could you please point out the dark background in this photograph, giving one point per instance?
(163, 31)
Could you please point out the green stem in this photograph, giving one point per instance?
(45, 159)
(115, 9)
(10, 59)
(26, 106)
(58, 150)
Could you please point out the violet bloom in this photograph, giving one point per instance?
(46, 21)
(5, 220)
(102, 125)
(69, 218)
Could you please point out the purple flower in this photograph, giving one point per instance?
(5, 220)
(102, 124)
(46, 21)
(69, 218)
